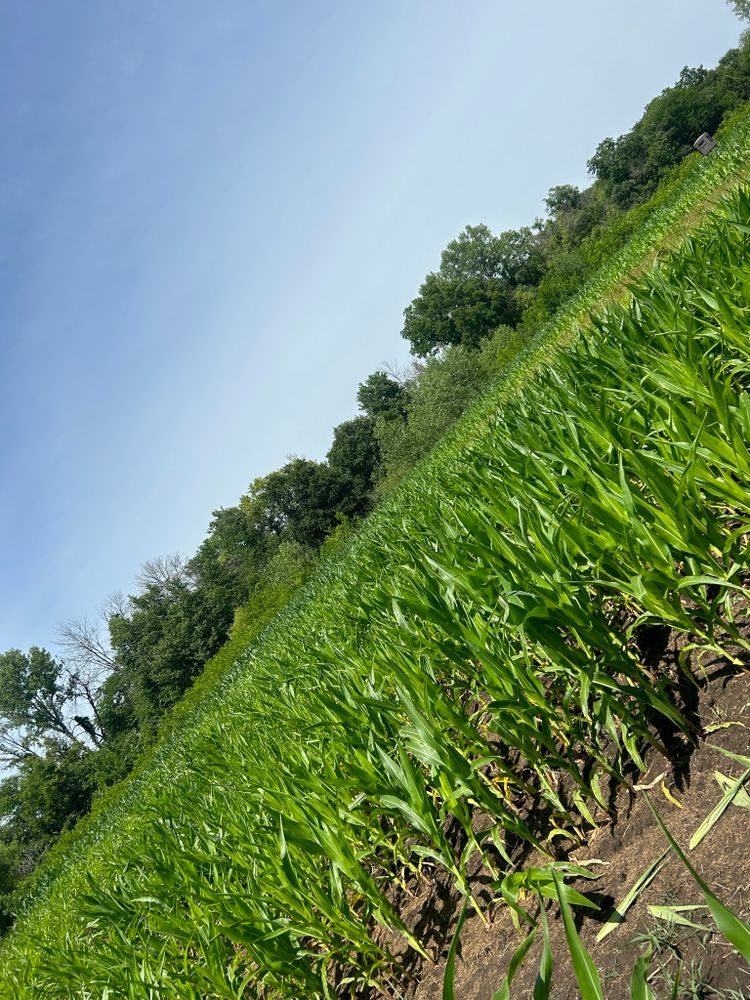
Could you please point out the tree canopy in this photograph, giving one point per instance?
(741, 8)
(73, 725)
(381, 395)
(631, 166)
(297, 503)
(39, 700)
(475, 291)
(354, 457)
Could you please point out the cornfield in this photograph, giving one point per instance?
(460, 688)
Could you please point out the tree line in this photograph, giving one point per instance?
(74, 723)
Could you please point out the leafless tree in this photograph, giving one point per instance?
(88, 660)
(403, 374)
(116, 604)
(162, 571)
(84, 646)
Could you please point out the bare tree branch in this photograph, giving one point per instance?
(14, 750)
(403, 374)
(84, 646)
(116, 605)
(162, 571)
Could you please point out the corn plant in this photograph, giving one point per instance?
(458, 689)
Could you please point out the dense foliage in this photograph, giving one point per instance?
(518, 278)
(479, 642)
(73, 725)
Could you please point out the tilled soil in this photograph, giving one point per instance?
(621, 848)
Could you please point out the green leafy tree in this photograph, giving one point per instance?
(161, 639)
(234, 550)
(571, 216)
(49, 793)
(741, 9)
(354, 457)
(562, 199)
(38, 704)
(381, 395)
(511, 257)
(631, 166)
(11, 854)
(296, 503)
(439, 395)
(45, 795)
(457, 311)
(482, 284)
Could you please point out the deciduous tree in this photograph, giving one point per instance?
(38, 704)
(354, 457)
(297, 502)
(482, 284)
(381, 395)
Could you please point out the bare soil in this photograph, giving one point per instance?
(621, 848)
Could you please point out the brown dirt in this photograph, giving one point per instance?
(625, 844)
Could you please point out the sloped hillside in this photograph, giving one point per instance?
(467, 688)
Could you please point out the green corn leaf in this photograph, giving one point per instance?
(586, 974)
(639, 988)
(674, 915)
(741, 799)
(736, 931)
(515, 963)
(543, 982)
(711, 581)
(450, 965)
(740, 758)
(718, 810)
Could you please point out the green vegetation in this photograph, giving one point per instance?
(549, 882)
(290, 749)
(472, 646)
(102, 706)
(520, 277)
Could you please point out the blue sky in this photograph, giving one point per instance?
(212, 216)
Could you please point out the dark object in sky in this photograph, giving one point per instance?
(704, 143)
